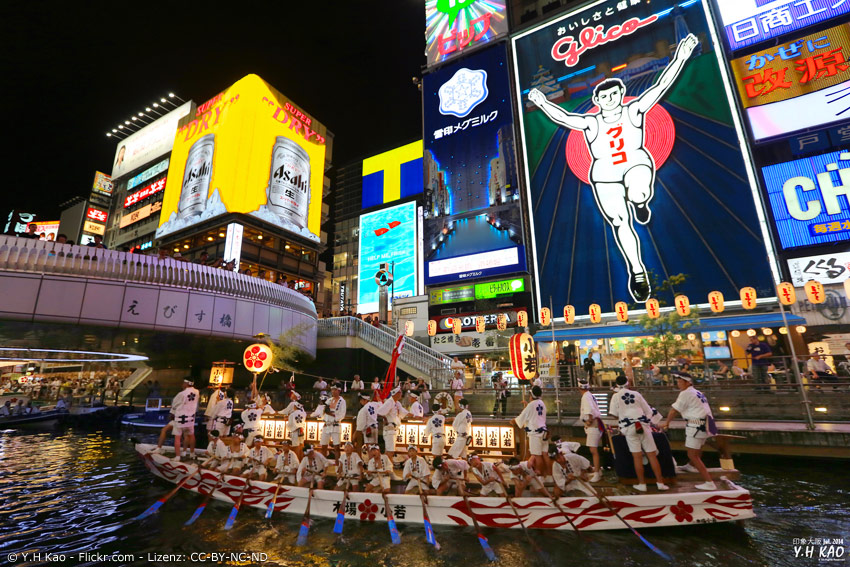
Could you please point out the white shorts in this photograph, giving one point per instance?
(372, 437)
(640, 441)
(352, 482)
(536, 444)
(296, 438)
(257, 469)
(694, 439)
(492, 488)
(438, 446)
(389, 440)
(249, 440)
(594, 436)
(413, 484)
(230, 464)
(381, 480)
(330, 433)
(459, 448)
(288, 478)
(438, 477)
(187, 428)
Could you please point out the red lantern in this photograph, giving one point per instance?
(522, 318)
(595, 313)
(652, 308)
(715, 301)
(569, 314)
(257, 358)
(432, 328)
(814, 291)
(683, 305)
(501, 321)
(748, 298)
(523, 356)
(457, 325)
(622, 311)
(480, 324)
(545, 316)
(408, 328)
(786, 293)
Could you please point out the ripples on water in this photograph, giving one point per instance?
(79, 491)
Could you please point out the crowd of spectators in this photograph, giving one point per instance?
(49, 387)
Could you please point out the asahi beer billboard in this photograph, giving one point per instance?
(149, 143)
(247, 150)
(633, 158)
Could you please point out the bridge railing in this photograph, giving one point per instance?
(415, 354)
(44, 257)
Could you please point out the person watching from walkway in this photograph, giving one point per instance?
(759, 352)
(819, 370)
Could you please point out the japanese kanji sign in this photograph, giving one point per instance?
(824, 268)
(451, 26)
(806, 65)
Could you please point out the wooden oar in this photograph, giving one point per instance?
(235, 510)
(430, 537)
(394, 537)
(510, 502)
(607, 504)
(273, 503)
(200, 509)
(488, 551)
(305, 521)
(156, 505)
(340, 515)
(555, 502)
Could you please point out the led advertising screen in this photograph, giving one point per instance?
(392, 175)
(472, 218)
(453, 26)
(747, 22)
(387, 236)
(148, 143)
(796, 85)
(808, 198)
(651, 185)
(249, 150)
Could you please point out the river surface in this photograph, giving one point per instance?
(77, 492)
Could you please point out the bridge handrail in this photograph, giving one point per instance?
(45, 257)
(415, 354)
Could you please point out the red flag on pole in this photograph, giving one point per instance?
(389, 381)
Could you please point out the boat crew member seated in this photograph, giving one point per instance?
(312, 468)
(367, 422)
(487, 475)
(259, 459)
(565, 474)
(349, 468)
(524, 477)
(635, 419)
(436, 430)
(448, 474)
(462, 424)
(379, 471)
(533, 421)
(416, 472)
(693, 406)
(216, 451)
(232, 461)
(286, 465)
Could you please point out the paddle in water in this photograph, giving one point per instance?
(394, 537)
(305, 521)
(485, 545)
(340, 515)
(429, 530)
(200, 509)
(273, 501)
(231, 518)
(156, 505)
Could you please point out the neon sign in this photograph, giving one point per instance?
(144, 193)
(452, 26)
(96, 214)
(591, 37)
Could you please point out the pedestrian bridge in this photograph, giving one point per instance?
(48, 282)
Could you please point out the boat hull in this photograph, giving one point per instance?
(587, 513)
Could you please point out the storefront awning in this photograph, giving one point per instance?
(707, 323)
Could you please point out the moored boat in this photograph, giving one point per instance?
(48, 418)
(681, 506)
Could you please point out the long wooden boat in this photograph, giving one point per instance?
(681, 506)
(44, 419)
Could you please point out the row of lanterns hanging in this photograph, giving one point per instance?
(784, 291)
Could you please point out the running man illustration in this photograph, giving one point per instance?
(622, 171)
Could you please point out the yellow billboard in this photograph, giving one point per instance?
(247, 150)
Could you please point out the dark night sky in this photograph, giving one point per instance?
(73, 71)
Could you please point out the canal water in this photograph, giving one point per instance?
(76, 492)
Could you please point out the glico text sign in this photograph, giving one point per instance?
(248, 150)
(633, 164)
(453, 26)
(809, 199)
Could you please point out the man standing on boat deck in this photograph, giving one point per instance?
(448, 474)
(349, 468)
(296, 417)
(392, 411)
(533, 421)
(635, 417)
(312, 468)
(222, 412)
(415, 409)
(379, 471)
(416, 471)
(593, 428)
(693, 406)
(184, 406)
(366, 427)
(436, 430)
(462, 425)
(287, 463)
(333, 415)
(250, 422)
(487, 475)
(260, 458)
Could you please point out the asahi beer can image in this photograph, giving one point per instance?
(197, 177)
(289, 182)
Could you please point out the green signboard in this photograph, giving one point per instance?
(451, 295)
(494, 289)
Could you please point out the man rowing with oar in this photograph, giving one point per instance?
(564, 472)
(448, 474)
(349, 468)
(416, 471)
(379, 471)
(259, 459)
(312, 468)
(485, 472)
(216, 451)
(287, 463)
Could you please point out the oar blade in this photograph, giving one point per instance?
(231, 518)
(150, 511)
(429, 532)
(485, 545)
(198, 511)
(340, 518)
(302, 534)
(394, 536)
(653, 548)
(270, 509)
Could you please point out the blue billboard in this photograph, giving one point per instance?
(633, 161)
(387, 236)
(472, 217)
(809, 199)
